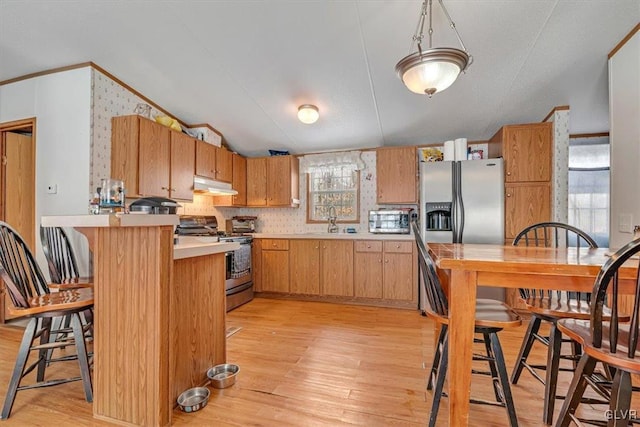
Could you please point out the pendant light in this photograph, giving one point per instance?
(435, 69)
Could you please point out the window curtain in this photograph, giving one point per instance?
(319, 162)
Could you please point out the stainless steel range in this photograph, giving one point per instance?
(239, 276)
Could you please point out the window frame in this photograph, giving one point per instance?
(339, 220)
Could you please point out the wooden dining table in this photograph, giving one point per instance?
(471, 265)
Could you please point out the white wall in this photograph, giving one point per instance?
(624, 118)
(61, 104)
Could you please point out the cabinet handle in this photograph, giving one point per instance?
(508, 194)
(386, 261)
(274, 245)
(380, 261)
(397, 246)
(164, 188)
(508, 173)
(316, 247)
(368, 246)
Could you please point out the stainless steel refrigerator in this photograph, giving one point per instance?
(463, 202)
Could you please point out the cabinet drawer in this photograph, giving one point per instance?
(368, 246)
(398, 247)
(275, 245)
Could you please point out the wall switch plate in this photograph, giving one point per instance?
(625, 222)
(52, 188)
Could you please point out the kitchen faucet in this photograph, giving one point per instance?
(333, 227)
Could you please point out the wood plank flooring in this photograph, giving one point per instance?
(307, 364)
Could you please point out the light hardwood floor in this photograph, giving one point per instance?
(307, 364)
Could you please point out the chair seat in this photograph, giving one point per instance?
(563, 309)
(489, 314)
(80, 282)
(65, 300)
(580, 331)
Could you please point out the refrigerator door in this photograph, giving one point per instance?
(436, 186)
(482, 190)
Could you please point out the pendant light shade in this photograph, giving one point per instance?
(435, 69)
(308, 113)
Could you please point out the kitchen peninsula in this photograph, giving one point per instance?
(159, 313)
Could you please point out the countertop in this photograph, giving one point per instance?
(192, 246)
(340, 236)
(111, 220)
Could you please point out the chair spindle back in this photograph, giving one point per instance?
(18, 268)
(59, 253)
(428, 277)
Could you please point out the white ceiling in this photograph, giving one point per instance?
(244, 66)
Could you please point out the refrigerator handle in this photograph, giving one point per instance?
(454, 203)
(460, 203)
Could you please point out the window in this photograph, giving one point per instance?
(336, 186)
(333, 181)
(589, 188)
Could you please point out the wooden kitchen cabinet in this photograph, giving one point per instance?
(367, 269)
(336, 260)
(275, 265)
(151, 159)
(238, 183)
(304, 266)
(396, 178)
(273, 182)
(525, 204)
(385, 270)
(214, 162)
(400, 280)
(224, 165)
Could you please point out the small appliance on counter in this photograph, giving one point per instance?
(241, 224)
(111, 196)
(390, 221)
(155, 205)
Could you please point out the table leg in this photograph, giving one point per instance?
(462, 309)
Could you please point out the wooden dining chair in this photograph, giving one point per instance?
(32, 299)
(550, 306)
(605, 338)
(61, 258)
(491, 317)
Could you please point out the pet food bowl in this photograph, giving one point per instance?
(223, 376)
(194, 399)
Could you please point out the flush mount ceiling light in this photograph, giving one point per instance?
(308, 113)
(435, 69)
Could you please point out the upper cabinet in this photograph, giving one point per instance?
(213, 162)
(527, 151)
(151, 159)
(238, 183)
(396, 175)
(273, 181)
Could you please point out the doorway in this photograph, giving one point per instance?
(17, 183)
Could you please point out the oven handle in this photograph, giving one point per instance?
(239, 289)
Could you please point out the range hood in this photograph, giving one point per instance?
(211, 187)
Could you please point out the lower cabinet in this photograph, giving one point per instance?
(275, 265)
(369, 270)
(304, 266)
(385, 270)
(336, 260)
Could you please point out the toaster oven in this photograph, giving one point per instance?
(392, 221)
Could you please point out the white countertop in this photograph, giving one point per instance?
(110, 220)
(341, 236)
(193, 246)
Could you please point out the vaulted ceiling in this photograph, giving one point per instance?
(245, 66)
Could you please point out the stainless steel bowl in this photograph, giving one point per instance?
(223, 376)
(194, 399)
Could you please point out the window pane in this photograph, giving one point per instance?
(337, 187)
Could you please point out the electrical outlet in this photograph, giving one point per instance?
(52, 188)
(625, 222)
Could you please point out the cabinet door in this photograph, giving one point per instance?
(398, 277)
(279, 181)
(257, 181)
(256, 264)
(239, 184)
(336, 267)
(155, 154)
(205, 159)
(528, 152)
(367, 274)
(396, 175)
(183, 157)
(525, 204)
(275, 271)
(304, 266)
(125, 148)
(224, 165)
